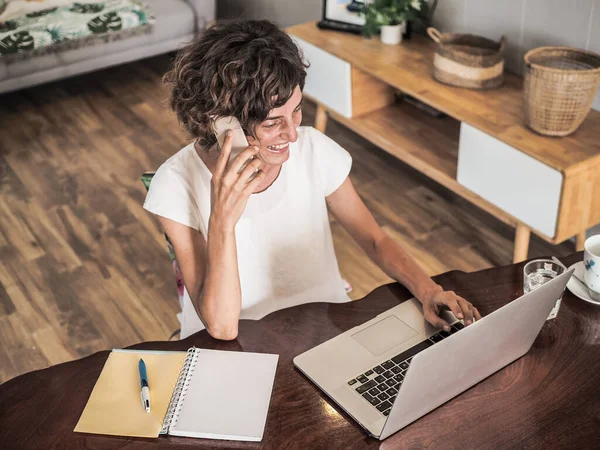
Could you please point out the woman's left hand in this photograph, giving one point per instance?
(436, 301)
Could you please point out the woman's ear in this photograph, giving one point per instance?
(252, 140)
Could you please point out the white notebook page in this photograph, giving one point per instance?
(228, 396)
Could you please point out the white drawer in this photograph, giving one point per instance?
(513, 181)
(328, 78)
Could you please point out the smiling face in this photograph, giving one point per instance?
(278, 130)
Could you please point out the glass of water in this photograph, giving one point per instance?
(538, 272)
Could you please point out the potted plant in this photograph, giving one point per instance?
(390, 17)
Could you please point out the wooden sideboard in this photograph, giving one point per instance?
(481, 149)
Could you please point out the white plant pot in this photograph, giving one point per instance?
(392, 34)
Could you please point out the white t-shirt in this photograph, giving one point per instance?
(284, 243)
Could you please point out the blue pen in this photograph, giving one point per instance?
(145, 387)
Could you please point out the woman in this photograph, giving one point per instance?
(252, 241)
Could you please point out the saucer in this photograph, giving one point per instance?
(577, 287)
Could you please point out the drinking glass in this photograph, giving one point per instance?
(538, 272)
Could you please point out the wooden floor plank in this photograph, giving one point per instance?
(51, 346)
(28, 313)
(24, 356)
(18, 234)
(111, 319)
(428, 258)
(52, 242)
(28, 298)
(7, 306)
(355, 266)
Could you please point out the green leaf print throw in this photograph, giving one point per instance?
(72, 26)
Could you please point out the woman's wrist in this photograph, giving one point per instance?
(219, 242)
(220, 227)
(428, 290)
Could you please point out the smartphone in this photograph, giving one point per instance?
(238, 141)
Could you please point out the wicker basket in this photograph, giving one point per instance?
(466, 60)
(560, 85)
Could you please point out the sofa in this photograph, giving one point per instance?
(177, 21)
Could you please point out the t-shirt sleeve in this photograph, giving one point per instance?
(334, 162)
(171, 197)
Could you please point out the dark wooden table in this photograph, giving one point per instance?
(550, 398)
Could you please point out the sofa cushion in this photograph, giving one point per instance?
(101, 49)
(173, 18)
(176, 19)
(205, 11)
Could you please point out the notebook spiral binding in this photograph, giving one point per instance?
(181, 387)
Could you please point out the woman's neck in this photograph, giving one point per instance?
(272, 173)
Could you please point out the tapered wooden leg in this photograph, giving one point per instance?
(579, 241)
(521, 243)
(321, 119)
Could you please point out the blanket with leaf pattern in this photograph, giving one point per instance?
(72, 26)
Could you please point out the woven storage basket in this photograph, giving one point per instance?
(560, 85)
(467, 60)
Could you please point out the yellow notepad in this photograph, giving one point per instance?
(115, 405)
(200, 393)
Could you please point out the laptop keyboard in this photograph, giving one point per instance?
(379, 385)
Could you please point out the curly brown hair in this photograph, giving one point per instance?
(240, 68)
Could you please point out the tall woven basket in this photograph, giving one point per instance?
(560, 85)
(467, 60)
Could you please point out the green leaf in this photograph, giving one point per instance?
(142, 18)
(147, 179)
(389, 12)
(170, 247)
(56, 33)
(104, 23)
(42, 12)
(83, 8)
(7, 26)
(16, 42)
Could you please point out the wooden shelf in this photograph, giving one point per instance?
(497, 112)
(426, 143)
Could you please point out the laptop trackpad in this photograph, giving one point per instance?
(384, 335)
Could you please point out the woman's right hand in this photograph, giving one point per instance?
(230, 189)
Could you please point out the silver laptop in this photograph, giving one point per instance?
(396, 367)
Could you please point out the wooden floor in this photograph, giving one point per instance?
(84, 268)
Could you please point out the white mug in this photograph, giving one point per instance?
(591, 263)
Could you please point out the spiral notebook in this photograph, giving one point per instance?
(199, 393)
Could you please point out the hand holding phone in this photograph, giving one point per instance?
(235, 178)
(239, 143)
